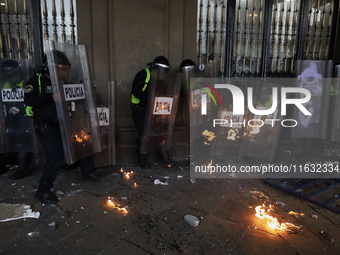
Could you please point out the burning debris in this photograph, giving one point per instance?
(232, 134)
(265, 212)
(126, 174)
(296, 214)
(117, 206)
(209, 136)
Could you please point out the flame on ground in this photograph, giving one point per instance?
(208, 135)
(296, 214)
(263, 213)
(115, 206)
(232, 134)
(127, 175)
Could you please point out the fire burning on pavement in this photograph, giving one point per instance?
(263, 212)
(127, 175)
(117, 206)
(209, 136)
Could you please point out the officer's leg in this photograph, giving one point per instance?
(138, 117)
(86, 166)
(23, 165)
(51, 142)
(3, 167)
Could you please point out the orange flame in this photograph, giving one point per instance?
(296, 214)
(263, 213)
(82, 136)
(208, 135)
(114, 206)
(232, 134)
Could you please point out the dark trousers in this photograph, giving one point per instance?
(3, 167)
(51, 142)
(138, 117)
(86, 164)
(24, 160)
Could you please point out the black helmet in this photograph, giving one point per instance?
(60, 58)
(10, 67)
(160, 61)
(187, 62)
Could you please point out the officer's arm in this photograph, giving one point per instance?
(137, 86)
(32, 95)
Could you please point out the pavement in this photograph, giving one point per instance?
(86, 223)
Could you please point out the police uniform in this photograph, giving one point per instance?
(39, 99)
(17, 139)
(139, 98)
(41, 106)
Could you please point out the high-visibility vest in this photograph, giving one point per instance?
(8, 85)
(29, 109)
(134, 99)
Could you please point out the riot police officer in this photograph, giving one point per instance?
(139, 97)
(12, 76)
(41, 106)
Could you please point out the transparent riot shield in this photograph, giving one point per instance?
(201, 90)
(311, 75)
(160, 114)
(17, 130)
(197, 83)
(333, 133)
(262, 132)
(73, 95)
(230, 128)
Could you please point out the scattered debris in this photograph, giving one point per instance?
(105, 212)
(179, 176)
(250, 206)
(59, 194)
(82, 207)
(157, 181)
(192, 220)
(327, 236)
(51, 226)
(280, 204)
(314, 216)
(10, 212)
(73, 184)
(192, 180)
(31, 234)
(78, 221)
(160, 246)
(124, 198)
(115, 175)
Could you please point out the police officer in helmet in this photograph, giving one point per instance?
(139, 97)
(41, 106)
(12, 75)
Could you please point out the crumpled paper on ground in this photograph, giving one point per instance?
(10, 212)
(158, 182)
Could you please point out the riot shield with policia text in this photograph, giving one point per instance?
(17, 130)
(160, 114)
(73, 95)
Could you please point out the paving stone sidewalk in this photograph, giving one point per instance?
(87, 224)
